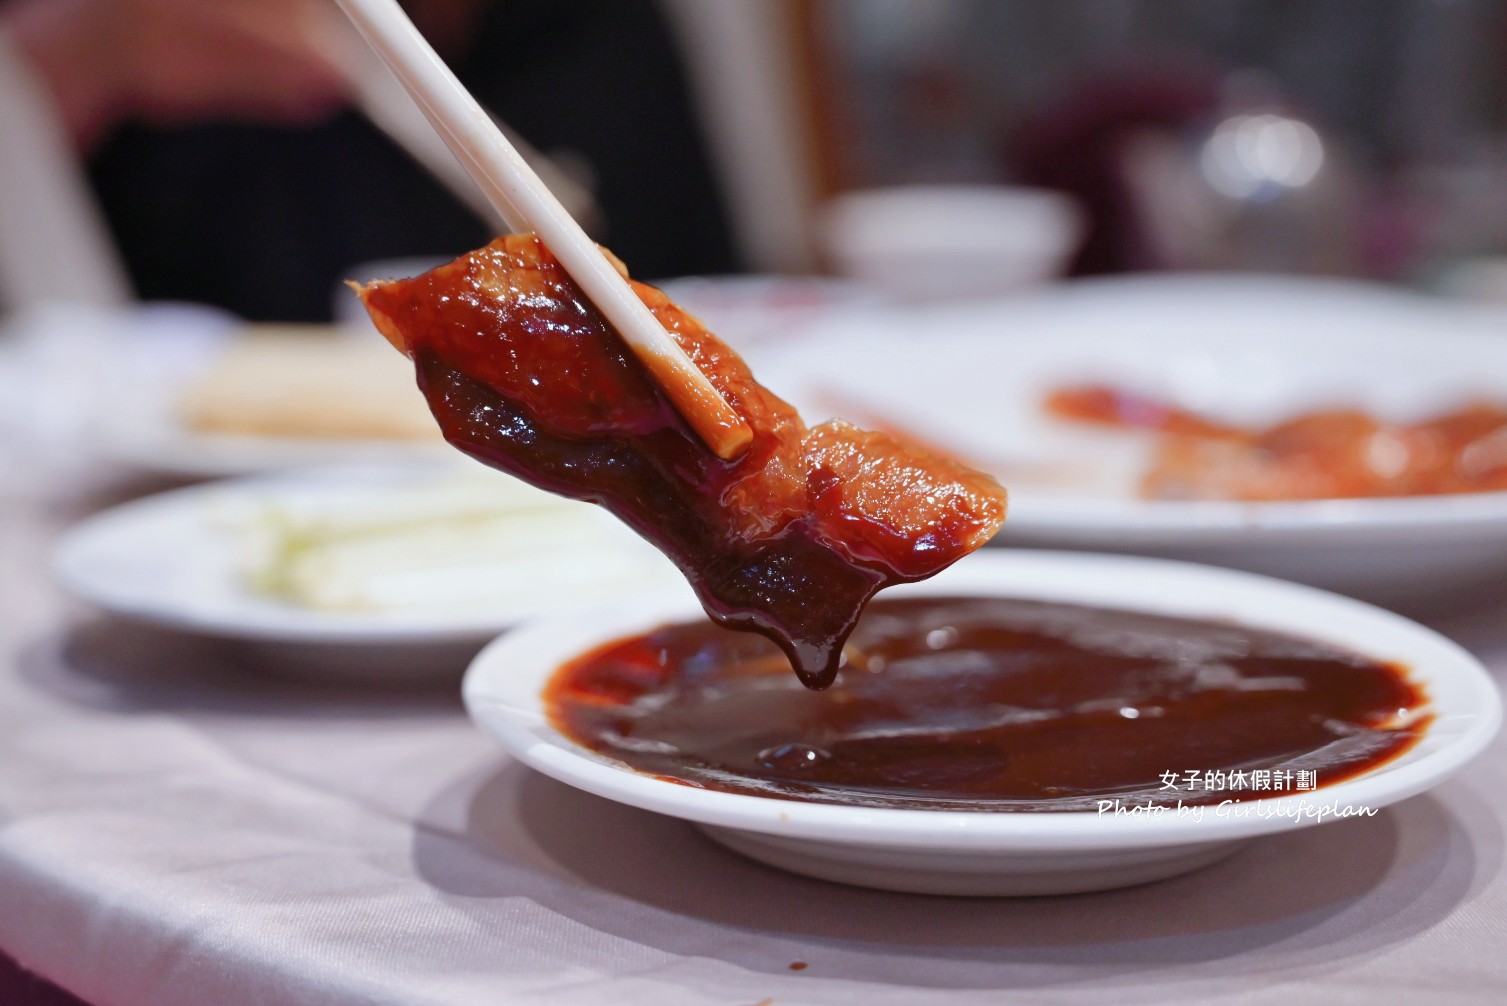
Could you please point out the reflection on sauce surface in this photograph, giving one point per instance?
(989, 704)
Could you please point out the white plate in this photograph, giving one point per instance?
(151, 439)
(1250, 349)
(141, 425)
(78, 382)
(959, 852)
(185, 559)
(750, 311)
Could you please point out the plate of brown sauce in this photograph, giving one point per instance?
(1023, 723)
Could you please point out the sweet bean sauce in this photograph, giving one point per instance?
(986, 704)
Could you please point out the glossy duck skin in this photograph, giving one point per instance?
(790, 539)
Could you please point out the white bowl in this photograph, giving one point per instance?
(941, 241)
(967, 853)
(1246, 349)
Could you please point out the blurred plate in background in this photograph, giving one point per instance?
(357, 555)
(271, 397)
(748, 311)
(971, 378)
(187, 390)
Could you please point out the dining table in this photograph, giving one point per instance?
(187, 820)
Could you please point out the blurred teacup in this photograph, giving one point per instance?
(933, 242)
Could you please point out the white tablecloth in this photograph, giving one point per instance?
(179, 825)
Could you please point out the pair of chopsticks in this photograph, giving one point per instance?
(525, 203)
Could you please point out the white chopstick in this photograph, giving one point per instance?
(516, 192)
(382, 98)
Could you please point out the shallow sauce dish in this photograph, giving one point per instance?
(989, 853)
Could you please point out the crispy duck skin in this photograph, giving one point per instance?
(790, 539)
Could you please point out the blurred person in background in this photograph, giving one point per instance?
(216, 145)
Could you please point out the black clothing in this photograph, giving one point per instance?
(264, 221)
